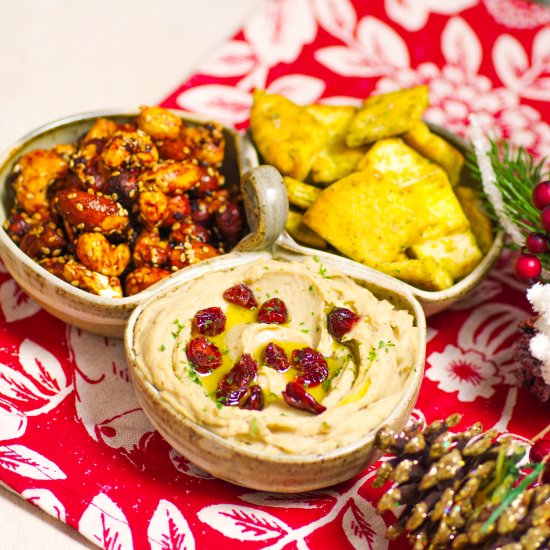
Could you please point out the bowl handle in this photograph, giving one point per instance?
(266, 204)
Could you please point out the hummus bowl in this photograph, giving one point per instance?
(263, 198)
(239, 410)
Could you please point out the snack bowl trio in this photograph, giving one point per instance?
(270, 364)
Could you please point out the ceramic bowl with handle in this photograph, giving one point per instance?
(263, 196)
(235, 461)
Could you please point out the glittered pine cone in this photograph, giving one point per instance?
(455, 489)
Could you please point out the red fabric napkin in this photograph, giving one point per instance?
(73, 439)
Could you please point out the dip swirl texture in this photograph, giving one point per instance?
(368, 369)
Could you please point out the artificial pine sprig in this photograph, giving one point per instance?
(516, 198)
(517, 174)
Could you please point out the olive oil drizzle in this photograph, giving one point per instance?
(236, 315)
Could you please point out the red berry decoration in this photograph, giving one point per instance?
(311, 365)
(541, 194)
(203, 355)
(545, 218)
(255, 400)
(234, 385)
(528, 267)
(536, 242)
(539, 451)
(273, 312)
(241, 295)
(340, 321)
(275, 357)
(298, 398)
(209, 321)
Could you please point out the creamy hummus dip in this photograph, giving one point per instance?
(367, 369)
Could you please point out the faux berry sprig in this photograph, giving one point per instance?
(517, 193)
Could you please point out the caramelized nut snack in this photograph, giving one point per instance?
(127, 204)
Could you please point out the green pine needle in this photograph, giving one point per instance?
(512, 495)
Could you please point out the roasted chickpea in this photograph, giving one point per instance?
(43, 239)
(152, 207)
(159, 123)
(143, 277)
(35, 172)
(129, 149)
(150, 249)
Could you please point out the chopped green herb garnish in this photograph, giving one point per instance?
(254, 426)
(305, 330)
(372, 355)
(386, 345)
(162, 347)
(179, 328)
(194, 376)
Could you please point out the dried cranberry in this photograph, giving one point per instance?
(17, 226)
(230, 222)
(275, 357)
(209, 321)
(204, 355)
(255, 400)
(340, 321)
(208, 183)
(124, 185)
(199, 212)
(311, 365)
(234, 385)
(297, 397)
(539, 451)
(188, 231)
(177, 209)
(241, 295)
(273, 312)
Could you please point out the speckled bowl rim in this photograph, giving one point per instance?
(246, 159)
(410, 393)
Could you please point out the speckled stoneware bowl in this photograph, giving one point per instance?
(431, 301)
(239, 463)
(263, 194)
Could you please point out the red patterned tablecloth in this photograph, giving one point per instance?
(73, 438)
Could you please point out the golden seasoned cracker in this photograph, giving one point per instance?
(437, 149)
(387, 115)
(481, 224)
(365, 216)
(287, 136)
(426, 273)
(457, 253)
